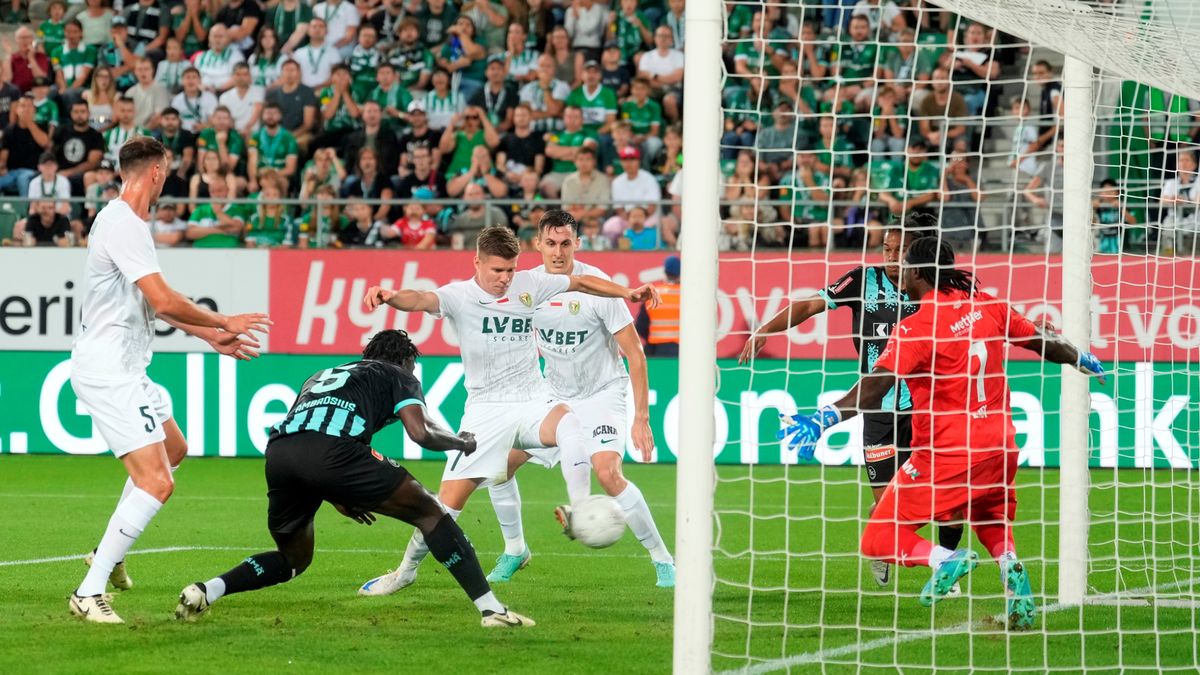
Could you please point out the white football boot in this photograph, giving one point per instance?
(93, 608)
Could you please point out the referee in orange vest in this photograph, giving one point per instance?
(659, 326)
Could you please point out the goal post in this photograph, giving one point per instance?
(1079, 125)
(697, 339)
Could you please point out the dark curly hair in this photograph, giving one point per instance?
(934, 263)
(915, 225)
(392, 346)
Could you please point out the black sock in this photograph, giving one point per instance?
(949, 536)
(258, 571)
(449, 546)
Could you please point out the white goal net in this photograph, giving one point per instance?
(840, 120)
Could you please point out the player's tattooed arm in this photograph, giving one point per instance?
(432, 436)
(403, 300)
(629, 342)
(173, 306)
(789, 317)
(586, 283)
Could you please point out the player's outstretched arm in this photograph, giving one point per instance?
(629, 342)
(789, 317)
(1055, 349)
(240, 347)
(403, 300)
(173, 306)
(586, 283)
(805, 430)
(432, 436)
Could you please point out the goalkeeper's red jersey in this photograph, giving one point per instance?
(951, 355)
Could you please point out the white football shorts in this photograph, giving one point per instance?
(498, 428)
(604, 425)
(128, 412)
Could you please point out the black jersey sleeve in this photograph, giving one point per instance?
(406, 391)
(847, 290)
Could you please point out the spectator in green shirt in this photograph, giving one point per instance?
(856, 62)
(50, 31)
(631, 29)
(463, 57)
(222, 139)
(338, 109)
(644, 115)
(270, 224)
(807, 188)
(466, 131)
(918, 181)
(598, 102)
(272, 147)
(561, 148)
(73, 61)
(215, 223)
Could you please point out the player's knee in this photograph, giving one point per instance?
(159, 487)
(298, 562)
(610, 477)
(872, 541)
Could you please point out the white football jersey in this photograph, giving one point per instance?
(118, 322)
(495, 335)
(575, 334)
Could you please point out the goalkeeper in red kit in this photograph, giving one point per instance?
(950, 353)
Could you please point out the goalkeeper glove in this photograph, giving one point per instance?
(805, 431)
(1088, 364)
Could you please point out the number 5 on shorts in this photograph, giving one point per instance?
(150, 420)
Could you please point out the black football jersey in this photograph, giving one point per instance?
(877, 305)
(354, 400)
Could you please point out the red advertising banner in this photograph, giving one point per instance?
(1143, 308)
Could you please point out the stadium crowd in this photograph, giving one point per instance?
(416, 123)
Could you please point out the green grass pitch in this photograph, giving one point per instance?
(598, 611)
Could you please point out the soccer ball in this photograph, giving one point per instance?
(597, 521)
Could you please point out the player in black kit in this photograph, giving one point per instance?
(322, 452)
(873, 295)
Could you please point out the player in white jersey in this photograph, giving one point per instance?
(508, 405)
(581, 339)
(123, 291)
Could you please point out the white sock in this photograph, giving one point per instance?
(214, 588)
(506, 500)
(126, 490)
(132, 516)
(574, 460)
(416, 550)
(938, 556)
(637, 515)
(488, 603)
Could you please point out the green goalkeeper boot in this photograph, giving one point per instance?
(947, 575)
(1022, 610)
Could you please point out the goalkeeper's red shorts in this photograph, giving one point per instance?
(983, 492)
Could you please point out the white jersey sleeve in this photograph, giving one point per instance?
(449, 297)
(131, 249)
